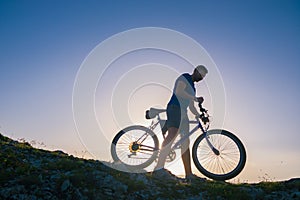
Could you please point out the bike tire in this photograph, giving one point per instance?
(121, 148)
(228, 164)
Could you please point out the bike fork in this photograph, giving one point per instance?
(216, 151)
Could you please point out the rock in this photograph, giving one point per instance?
(65, 185)
(139, 177)
(296, 195)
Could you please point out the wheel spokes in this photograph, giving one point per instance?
(221, 163)
(135, 147)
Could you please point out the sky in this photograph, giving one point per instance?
(254, 46)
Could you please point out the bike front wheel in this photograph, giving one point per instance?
(135, 147)
(224, 159)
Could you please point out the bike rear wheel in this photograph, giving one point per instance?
(135, 147)
(226, 161)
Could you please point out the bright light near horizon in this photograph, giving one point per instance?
(144, 86)
(147, 96)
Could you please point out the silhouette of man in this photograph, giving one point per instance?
(177, 120)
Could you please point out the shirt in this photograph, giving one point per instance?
(190, 89)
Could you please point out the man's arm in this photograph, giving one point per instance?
(193, 109)
(180, 91)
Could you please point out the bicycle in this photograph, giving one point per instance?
(218, 154)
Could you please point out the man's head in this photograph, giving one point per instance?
(199, 73)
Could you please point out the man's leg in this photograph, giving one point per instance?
(185, 147)
(186, 157)
(166, 147)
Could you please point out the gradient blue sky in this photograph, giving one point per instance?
(255, 45)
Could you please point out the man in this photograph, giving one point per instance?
(177, 120)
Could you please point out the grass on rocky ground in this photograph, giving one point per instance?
(16, 160)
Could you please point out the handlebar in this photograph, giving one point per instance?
(203, 110)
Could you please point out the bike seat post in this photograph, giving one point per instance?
(158, 117)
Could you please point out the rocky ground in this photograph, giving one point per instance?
(30, 173)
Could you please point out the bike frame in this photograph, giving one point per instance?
(185, 136)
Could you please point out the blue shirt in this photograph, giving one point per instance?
(190, 89)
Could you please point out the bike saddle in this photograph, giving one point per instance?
(153, 112)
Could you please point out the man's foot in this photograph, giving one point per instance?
(163, 174)
(193, 178)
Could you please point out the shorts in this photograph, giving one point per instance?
(177, 118)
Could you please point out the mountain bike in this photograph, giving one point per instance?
(218, 154)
